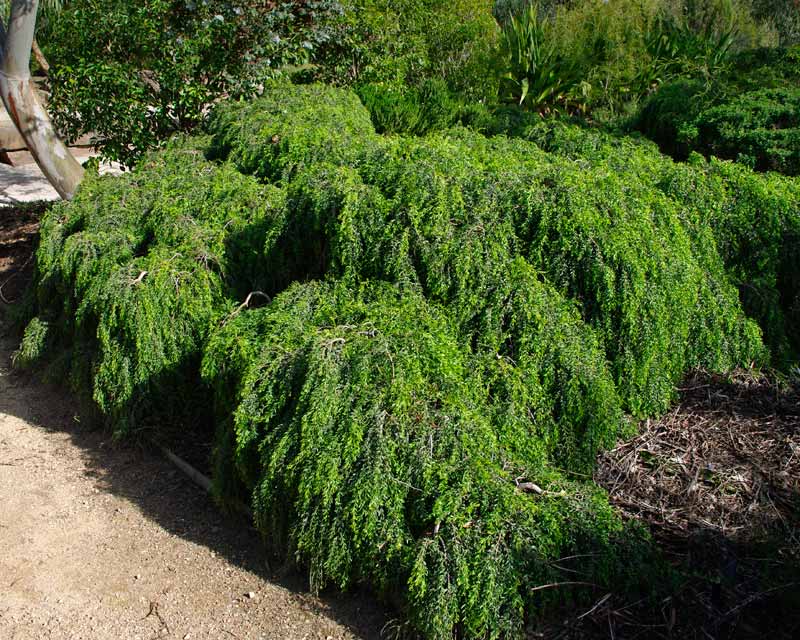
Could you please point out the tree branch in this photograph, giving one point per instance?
(23, 105)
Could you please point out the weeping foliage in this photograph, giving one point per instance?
(450, 212)
(743, 224)
(445, 322)
(363, 433)
(290, 127)
(132, 273)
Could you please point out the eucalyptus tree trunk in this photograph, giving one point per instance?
(23, 106)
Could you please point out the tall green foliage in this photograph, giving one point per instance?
(398, 44)
(134, 73)
(605, 56)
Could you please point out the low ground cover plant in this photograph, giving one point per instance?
(416, 345)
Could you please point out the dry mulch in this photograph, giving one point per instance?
(19, 227)
(717, 484)
(725, 460)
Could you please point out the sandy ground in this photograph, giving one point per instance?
(102, 541)
(25, 183)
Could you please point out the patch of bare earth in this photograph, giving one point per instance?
(18, 230)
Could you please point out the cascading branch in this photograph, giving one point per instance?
(451, 328)
(132, 274)
(364, 431)
(744, 225)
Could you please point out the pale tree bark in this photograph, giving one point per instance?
(17, 90)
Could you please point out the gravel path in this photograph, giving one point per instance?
(102, 541)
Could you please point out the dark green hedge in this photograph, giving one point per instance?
(750, 114)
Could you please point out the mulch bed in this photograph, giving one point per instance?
(716, 481)
(19, 227)
(725, 460)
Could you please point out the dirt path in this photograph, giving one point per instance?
(101, 541)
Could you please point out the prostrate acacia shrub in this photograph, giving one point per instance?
(451, 327)
(745, 224)
(132, 274)
(290, 127)
(363, 433)
(451, 212)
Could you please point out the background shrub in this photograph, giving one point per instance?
(404, 43)
(135, 73)
(750, 113)
(759, 128)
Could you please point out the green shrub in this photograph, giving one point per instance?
(743, 220)
(448, 321)
(760, 128)
(667, 116)
(401, 44)
(451, 212)
(290, 127)
(756, 223)
(132, 274)
(111, 77)
(361, 430)
(749, 112)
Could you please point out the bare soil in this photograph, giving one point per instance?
(99, 540)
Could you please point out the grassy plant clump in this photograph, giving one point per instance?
(420, 110)
(133, 272)
(362, 430)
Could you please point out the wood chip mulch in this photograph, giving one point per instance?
(717, 483)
